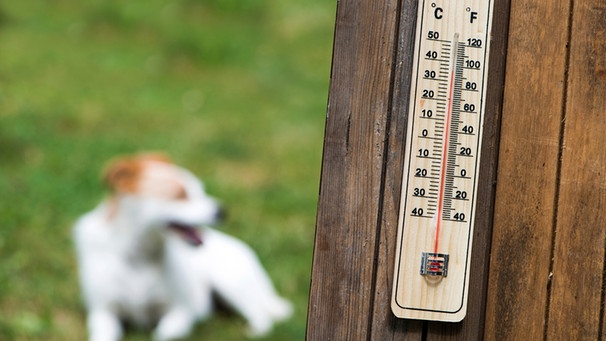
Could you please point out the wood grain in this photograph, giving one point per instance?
(343, 272)
(527, 171)
(385, 326)
(577, 299)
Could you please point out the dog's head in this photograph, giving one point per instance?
(154, 192)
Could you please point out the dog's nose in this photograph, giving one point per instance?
(221, 214)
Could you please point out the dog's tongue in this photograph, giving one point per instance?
(187, 232)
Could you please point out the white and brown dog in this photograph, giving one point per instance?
(147, 256)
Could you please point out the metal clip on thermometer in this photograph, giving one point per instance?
(442, 159)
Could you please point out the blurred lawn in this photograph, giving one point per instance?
(234, 90)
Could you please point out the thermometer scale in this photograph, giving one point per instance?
(442, 158)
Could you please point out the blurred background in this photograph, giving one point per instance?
(234, 90)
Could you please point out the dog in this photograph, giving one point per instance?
(148, 256)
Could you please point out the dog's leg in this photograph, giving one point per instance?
(249, 303)
(103, 326)
(175, 324)
(238, 277)
(187, 279)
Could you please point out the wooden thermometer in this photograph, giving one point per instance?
(442, 158)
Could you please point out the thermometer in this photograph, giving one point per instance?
(442, 158)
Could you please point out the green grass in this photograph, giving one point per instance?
(234, 90)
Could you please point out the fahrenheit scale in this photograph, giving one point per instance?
(442, 159)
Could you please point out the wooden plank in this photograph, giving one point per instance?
(385, 326)
(528, 169)
(346, 233)
(577, 298)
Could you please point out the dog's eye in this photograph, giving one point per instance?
(181, 194)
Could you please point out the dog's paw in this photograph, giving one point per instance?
(261, 323)
(259, 330)
(281, 310)
(104, 326)
(176, 324)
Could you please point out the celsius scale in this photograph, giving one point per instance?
(442, 159)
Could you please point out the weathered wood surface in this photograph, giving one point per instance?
(547, 265)
(528, 170)
(342, 288)
(539, 248)
(576, 311)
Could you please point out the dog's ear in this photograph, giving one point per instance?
(154, 156)
(122, 175)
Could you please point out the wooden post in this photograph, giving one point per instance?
(547, 267)
(539, 244)
(345, 254)
(528, 170)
